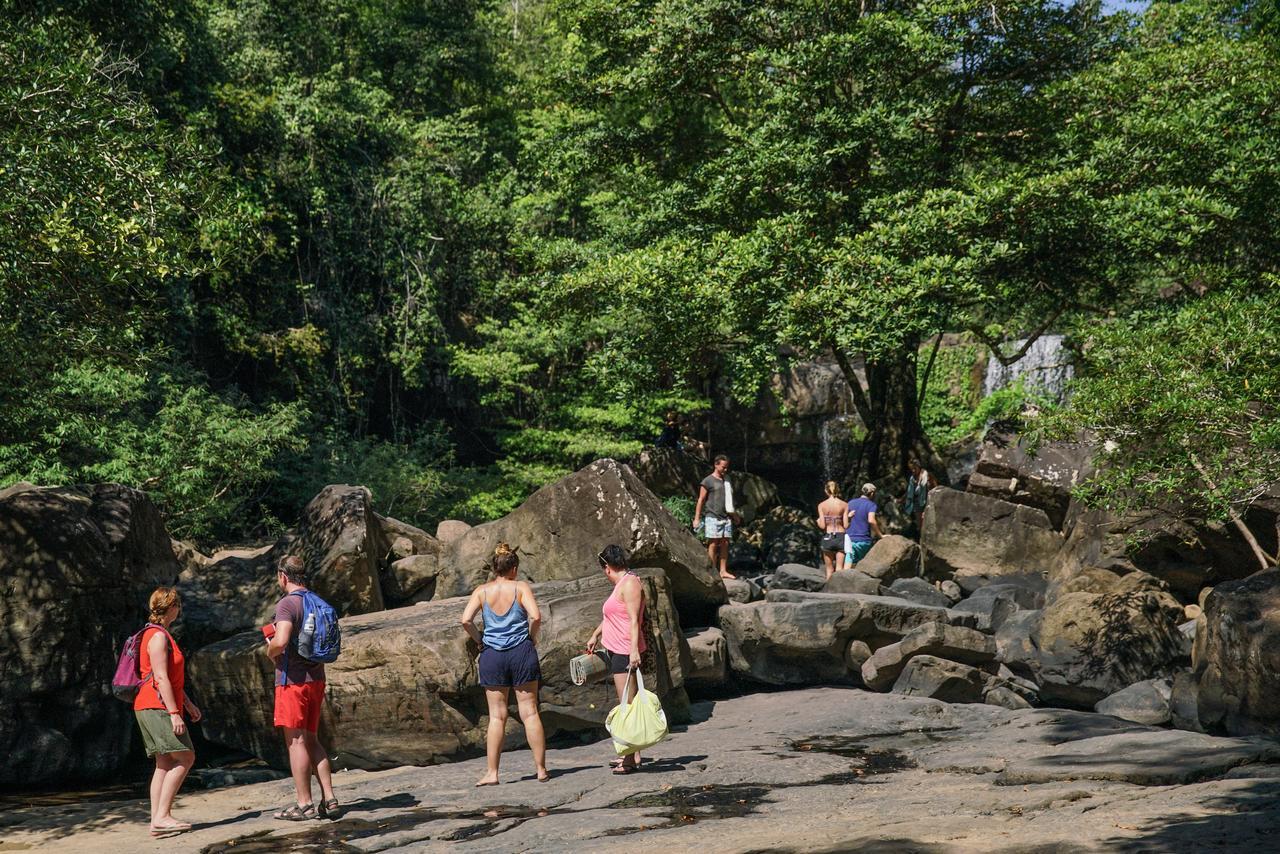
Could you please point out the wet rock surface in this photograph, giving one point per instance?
(821, 769)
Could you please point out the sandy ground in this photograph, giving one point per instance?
(823, 769)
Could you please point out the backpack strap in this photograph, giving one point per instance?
(293, 641)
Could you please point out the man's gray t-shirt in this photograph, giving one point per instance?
(715, 497)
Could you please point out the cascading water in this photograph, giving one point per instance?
(834, 439)
(1045, 366)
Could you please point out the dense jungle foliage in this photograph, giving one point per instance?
(451, 249)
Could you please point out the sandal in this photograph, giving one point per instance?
(329, 808)
(621, 770)
(297, 812)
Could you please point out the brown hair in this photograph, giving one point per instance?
(720, 457)
(505, 560)
(833, 489)
(294, 569)
(162, 599)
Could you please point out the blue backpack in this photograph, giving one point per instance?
(319, 638)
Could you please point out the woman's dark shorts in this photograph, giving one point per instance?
(506, 668)
(619, 662)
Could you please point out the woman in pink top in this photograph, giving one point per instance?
(620, 631)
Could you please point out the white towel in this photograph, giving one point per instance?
(728, 496)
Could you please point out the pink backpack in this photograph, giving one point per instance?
(128, 678)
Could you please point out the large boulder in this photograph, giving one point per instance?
(918, 590)
(785, 535)
(1186, 554)
(891, 557)
(1235, 686)
(708, 659)
(668, 472)
(561, 528)
(852, 581)
(1042, 478)
(1089, 646)
(1145, 702)
(954, 643)
(405, 691)
(78, 565)
(341, 541)
(972, 538)
(939, 679)
(796, 576)
(231, 591)
(801, 638)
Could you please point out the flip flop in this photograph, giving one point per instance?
(494, 783)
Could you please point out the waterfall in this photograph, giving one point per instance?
(834, 439)
(1045, 366)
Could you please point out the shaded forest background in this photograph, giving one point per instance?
(452, 249)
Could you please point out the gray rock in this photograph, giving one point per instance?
(405, 689)
(1090, 646)
(891, 557)
(919, 590)
(744, 559)
(795, 576)
(77, 565)
(1016, 643)
(1145, 702)
(341, 540)
(951, 590)
(1184, 702)
(939, 679)
(742, 590)
(856, 655)
(967, 535)
(1150, 758)
(966, 646)
(1237, 682)
(852, 581)
(1025, 591)
(801, 638)
(991, 611)
(412, 578)
(1006, 698)
(709, 658)
(231, 591)
(1043, 479)
(560, 528)
(451, 529)
(785, 535)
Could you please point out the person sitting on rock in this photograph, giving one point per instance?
(622, 631)
(158, 708)
(508, 658)
(670, 435)
(860, 525)
(831, 523)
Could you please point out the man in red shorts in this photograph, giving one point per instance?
(299, 697)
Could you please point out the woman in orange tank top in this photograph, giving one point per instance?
(158, 708)
(620, 631)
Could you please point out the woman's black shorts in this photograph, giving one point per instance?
(506, 668)
(619, 662)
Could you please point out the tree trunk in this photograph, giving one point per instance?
(890, 409)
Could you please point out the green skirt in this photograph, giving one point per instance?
(157, 732)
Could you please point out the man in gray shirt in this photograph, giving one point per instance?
(715, 498)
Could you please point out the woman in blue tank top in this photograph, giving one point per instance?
(508, 658)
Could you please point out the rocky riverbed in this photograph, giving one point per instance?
(826, 768)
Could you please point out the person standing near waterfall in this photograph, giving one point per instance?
(918, 486)
(715, 496)
(860, 525)
(831, 523)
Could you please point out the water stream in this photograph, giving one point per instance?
(1046, 366)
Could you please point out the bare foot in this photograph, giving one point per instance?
(169, 824)
(728, 575)
(487, 780)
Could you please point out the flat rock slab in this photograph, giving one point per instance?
(818, 769)
(1155, 758)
